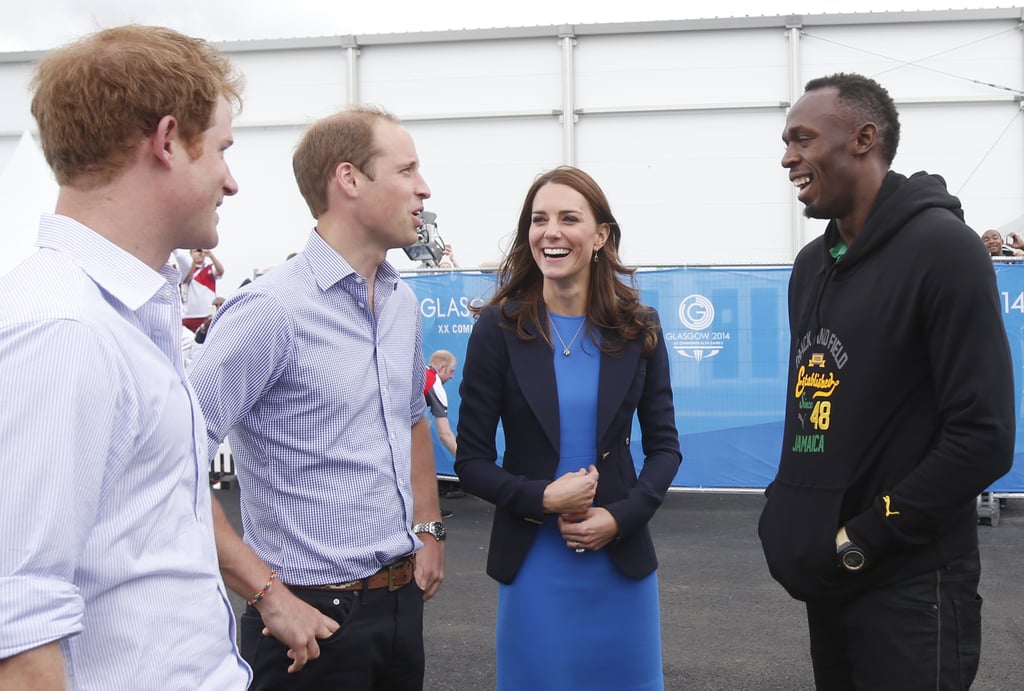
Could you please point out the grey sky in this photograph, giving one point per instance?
(41, 25)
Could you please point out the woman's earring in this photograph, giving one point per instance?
(595, 256)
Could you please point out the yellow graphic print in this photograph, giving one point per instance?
(888, 510)
(821, 386)
(824, 385)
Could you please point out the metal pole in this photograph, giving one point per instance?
(568, 40)
(351, 69)
(793, 25)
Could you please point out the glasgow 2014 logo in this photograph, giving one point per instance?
(697, 341)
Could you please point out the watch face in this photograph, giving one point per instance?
(435, 528)
(853, 559)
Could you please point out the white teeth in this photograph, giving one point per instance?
(556, 253)
(801, 182)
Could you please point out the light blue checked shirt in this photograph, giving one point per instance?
(106, 535)
(318, 394)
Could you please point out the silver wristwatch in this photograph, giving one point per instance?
(435, 528)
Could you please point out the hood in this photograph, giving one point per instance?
(899, 199)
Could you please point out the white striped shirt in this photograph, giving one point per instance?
(318, 393)
(107, 536)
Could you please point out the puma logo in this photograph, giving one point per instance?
(888, 509)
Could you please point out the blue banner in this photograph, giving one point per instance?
(727, 333)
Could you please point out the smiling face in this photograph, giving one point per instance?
(993, 242)
(820, 144)
(203, 183)
(564, 235)
(393, 190)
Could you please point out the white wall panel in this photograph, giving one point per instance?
(682, 68)
(479, 172)
(292, 86)
(462, 77)
(943, 60)
(689, 186)
(693, 188)
(976, 148)
(15, 99)
(268, 218)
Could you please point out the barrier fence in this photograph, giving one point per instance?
(727, 332)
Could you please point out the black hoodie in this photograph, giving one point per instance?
(900, 406)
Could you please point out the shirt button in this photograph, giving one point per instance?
(361, 305)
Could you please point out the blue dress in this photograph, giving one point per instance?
(573, 621)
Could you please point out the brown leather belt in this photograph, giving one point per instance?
(391, 577)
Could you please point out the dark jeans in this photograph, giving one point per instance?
(379, 646)
(923, 633)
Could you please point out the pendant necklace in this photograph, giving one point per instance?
(566, 347)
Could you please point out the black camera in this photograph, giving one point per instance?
(429, 248)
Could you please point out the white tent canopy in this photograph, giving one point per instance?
(27, 188)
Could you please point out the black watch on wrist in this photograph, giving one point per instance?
(851, 557)
(435, 528)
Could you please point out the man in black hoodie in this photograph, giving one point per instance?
(898, 412)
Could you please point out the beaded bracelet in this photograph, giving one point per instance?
(266, 589)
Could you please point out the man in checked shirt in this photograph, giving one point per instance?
(316, 372)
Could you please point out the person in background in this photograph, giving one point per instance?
(335, 463)
(199, 288)
(182, 261)
(448, 258)
(993, 241)
(563, 356)
(192, 343)
(440, 370)
(108, 570)
(893, 424)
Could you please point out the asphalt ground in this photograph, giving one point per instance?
(725, 623)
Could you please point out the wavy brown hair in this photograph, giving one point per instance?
(613, 301)
(95, 99)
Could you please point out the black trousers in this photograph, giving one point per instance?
(923, 633)
(379, 646)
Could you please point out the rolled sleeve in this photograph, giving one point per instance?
(36, 611)
(56, 455)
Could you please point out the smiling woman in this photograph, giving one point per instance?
(570, 544)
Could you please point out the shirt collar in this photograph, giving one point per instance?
(117, 271)
(329, 267)
(838, 250)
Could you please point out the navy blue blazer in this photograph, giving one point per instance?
(511, 379)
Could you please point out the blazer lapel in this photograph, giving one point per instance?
(531, 362)
(613, 382)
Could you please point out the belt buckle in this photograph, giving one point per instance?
(391, 587)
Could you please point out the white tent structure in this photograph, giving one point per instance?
(680, 122)
(27, 188)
